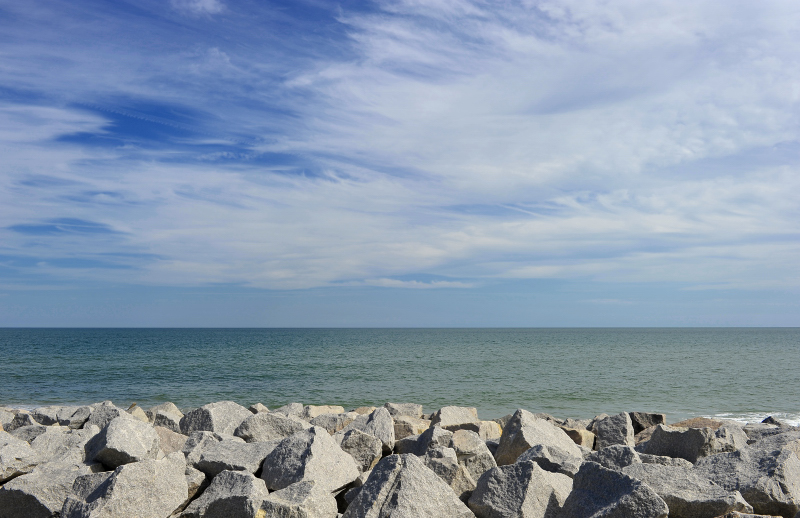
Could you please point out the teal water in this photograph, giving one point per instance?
(743, 373)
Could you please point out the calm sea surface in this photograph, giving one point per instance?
(740, 373)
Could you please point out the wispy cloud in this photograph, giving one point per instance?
(198, 6)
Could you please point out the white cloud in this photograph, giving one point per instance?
(198, 6)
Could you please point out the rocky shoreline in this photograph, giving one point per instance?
(318, 461)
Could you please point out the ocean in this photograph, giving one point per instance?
(738, 373)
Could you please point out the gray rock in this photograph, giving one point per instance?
(312, 411)
(16, 457)
(693, 443)
(503, 421)
(103, 413)
(40, 493)
(333, 422)
(404, 409)
(365, 449)
(454, 418)
(405, 426)
(291, 409)
(220, 417)
(309, 455)
(21, 419)
(472, 453)
(431, 438)
(217, 457)
(137, 413)
(74, 417)
(258, 408)
(123, 441)
(169, 441)
(444, 462)
(378, 424)
(580, 436)
(6, 416)
(145, 489)
(306, 499)
(197, 443)
(522, 490)
(487, 430)
(30, 432)
(553, 459)
(230, 494)
(168, 407)
(65, 445)
(643, 420)
(402, 486)
(524, 431)
(598, 491)
(167, 417)
(197, 482)
(615, 429)
(616, 457)
(269, 427)
(664, 461)
(687, 494)
(46, 415)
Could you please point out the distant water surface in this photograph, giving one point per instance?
(745, 373)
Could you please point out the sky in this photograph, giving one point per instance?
(403, 163)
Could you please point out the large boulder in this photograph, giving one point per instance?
(472, 453)
(365, 449)
(167, 415)
(74, 417)
(333, 422)
(524, 431)
(693, 443)
(65, 445)
(170, 441)
(306, 499)
(20, 420)
(644, 420)
(402, 486)
(123, 441)
(405, 426)
(30, 432)
(378, 424)
(580, 436)
(145, 489)
(687, 494)
(553, 459)
(199, 442)
(444, 462)
(615, 429)
(103, 413)
(312, 411)
(219, 456)
(396, 410)
(309, 455)
(270, 426)
(454, 418)
(290, 409)
(220, 417)
(16, 457)
(522, 490)
(598, 491)
(616, 456)
(40, 493)
(230, 494)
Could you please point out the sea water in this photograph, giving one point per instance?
(744, 374)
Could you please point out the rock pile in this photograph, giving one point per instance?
(224, 460)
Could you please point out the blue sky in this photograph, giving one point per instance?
(399, 163)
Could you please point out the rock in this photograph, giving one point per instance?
(553, 459)
(522, 489)
(21, 419)
(306, 499)
(487, 430)
(123, 441)
(312, 411)
(16, 457)
(333, 422)
(503, 421)
(642, 420)
(65, 445)
(28, 433)
(365, 410)
(258, 408)
(197, 482)
(198, 442)
(103, 413)
(269, 427)
(309, 455)
(405, 426)
(701, 422)
(598, 491)
(735, 514)
(365, 449)
(580, 436)
(136, 412)
(472, 453)
(524, 431)
(616, 429)
(693, 443)
(145, 489)
(430, 438)
(378, 424)
(396, 410)
(219, 456)
(292, 409)
(230, 494)
(168, 416)
(6, 416)
(444, 462)
(454, 418)
(577, 424)
(616, 457)
(40, 493)
(220, 417)
(169, 441)
(402, 486)
(772, 420)
(46, 415)
(664, 461)
(687, 494)
(74, 417)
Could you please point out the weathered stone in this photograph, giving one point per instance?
(230, 494)
(21, 419)
(220, 417)
(16, 457)
(472, 453)
(74, 417)
(444, 462)
(736, 514)
(503, 421)
(103, 413)
(40, 493)
(29, 432)
(306, 499)
(269, 427)
(402, 486)
(616, 457)
(333, 422)
(408, 444)
(167, 418)
(365, 449)
(220, 456)
(197, 443)
(430, 438)
(312, 411)
(362, 410)
(454, 418)
(580, 436)
(693, 443)
(309, 455)
(664, 461)
(292, 409)
(46, 415)
(378, 424)
(196, 481)
(258, 408)
(6, 416)
(642, 420)
(524, 431)
(615, 429)
(405, 426)
(123, 441)
(687, 494)
(169, 441)
(396, 410)
(522, 490)
(577, 424)
(553, 459)
(65, 445)
(701, 422)
(487, 430)
(136, 412)
(598, 491)
(145, 489)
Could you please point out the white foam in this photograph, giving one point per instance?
(757, 417)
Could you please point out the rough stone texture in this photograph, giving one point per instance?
(312, 411)
(123, 441)
(553, 459)
(196, 480)
(580, 436)
(145, 489)
(396, 410)
(333, 422)
(700, 422)
(30, 432)
(169, 441)
(74, 417)
(378, 424)
(309, 455)
(503, 421)
(46, 415)
(292, 409)
(444, 462)
(687, 494)
(136, 412)
(269, 427)
(616, 456)
(365, 449)
(402, 486)
(199, 441)
(615, 429)
(664, 461)
(405, 426)
(524, 430)
(454, 418)
(472, 453)
(21, 419)
(65, 445)
(103, 413)
(6, 416)
(521, 490)
(217, 457)
(168, 418)
(736, 514)
(305, 499)
(487, 430)
(430, 438)
(258, 408)
(642, 420)
(16, 457)
(230, 494)
(577, 424)
(365, 410)
(220, 417)
(598, 491)
(693, 443)
(41, 493)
